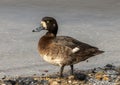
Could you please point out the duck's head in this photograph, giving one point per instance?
(47, 23)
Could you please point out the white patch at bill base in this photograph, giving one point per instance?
(44, 24)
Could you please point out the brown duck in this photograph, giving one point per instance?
(62, 50)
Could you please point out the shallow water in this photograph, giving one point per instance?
(95, 22)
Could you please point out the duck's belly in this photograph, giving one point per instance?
(54, 61)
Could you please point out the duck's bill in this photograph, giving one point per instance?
(38, 29)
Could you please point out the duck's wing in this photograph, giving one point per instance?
(77, 46)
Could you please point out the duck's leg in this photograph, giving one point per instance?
(71, 72)
(61, 71)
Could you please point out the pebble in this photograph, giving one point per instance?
(54, 83)
(71, 77)
(99, 75)
(112, 72)
(80, 76)
(106, 78)
(109, 66)
(2, 75)
(44, 82)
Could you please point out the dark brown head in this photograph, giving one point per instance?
(48, 23)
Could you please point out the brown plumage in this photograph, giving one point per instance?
(62, 50)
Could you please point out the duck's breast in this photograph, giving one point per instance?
(56, 54)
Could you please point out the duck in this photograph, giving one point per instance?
(62, 50)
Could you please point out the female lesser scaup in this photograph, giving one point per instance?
(62, 50)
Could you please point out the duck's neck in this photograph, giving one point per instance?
(45, 41)
(53, 30)
(49, 34)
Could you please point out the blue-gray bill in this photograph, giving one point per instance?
(38, 29)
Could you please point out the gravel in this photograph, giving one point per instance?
(108, 75)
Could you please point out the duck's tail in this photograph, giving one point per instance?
(97, 52)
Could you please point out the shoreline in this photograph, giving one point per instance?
(108, 75)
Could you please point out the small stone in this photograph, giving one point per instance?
(69, 81)
(33, 30)
(95, 70)
(3, 84)
(90, 74)
(117, 84)
(117, 79)
(118, 69)
(112, 72)
(46, 71)
(4, 78)
(54, 82)
(87, 61)
(71, 77)
(80, 76)
(2, 75)
(99, 75)
(113, 76)
(75, 83)
(106, 78)
(44, 82)
(109, 66)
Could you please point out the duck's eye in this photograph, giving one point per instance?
(48, 21)
(54, 25)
